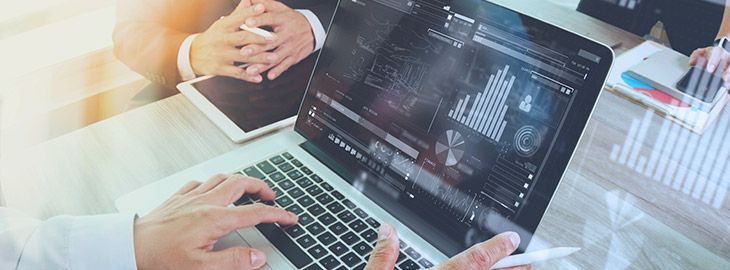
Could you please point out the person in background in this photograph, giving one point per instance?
(173, 41)
(691, 25)
(181, 233)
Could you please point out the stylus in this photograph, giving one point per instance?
(258, 31)
(535, 256)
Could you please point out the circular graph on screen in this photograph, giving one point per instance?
(450, 148)
(527, 141)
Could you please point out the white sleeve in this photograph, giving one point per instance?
(184, 67)
(65, 242)
(319, 33)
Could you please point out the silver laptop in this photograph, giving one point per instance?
(453, 123)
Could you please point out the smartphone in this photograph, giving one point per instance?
(701, 84)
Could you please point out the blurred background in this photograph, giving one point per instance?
(58, 72)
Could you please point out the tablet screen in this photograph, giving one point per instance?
(251, 106)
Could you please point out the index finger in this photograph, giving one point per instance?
(253, 214)
(242, 12)
(484, 254)
(716, 57)
(236, 186)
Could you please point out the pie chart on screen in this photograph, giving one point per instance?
(450, 148)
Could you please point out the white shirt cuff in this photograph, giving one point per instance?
(184, 67)
(319, 33)
(102, 242)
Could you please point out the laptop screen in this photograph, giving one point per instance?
(459, 120)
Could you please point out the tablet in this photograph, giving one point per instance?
(240, 109)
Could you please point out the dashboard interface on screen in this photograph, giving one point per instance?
(459, 120)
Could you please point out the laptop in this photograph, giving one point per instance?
(452, 122)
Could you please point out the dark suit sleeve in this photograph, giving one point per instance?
(146, 40)
(324, 9)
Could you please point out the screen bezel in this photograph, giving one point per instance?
(567, 139)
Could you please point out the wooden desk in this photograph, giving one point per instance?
(622, 218)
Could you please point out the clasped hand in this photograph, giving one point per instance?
(217, 50)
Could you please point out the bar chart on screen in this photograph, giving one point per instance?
(487, 109)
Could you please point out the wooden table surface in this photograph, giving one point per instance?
(622, 215)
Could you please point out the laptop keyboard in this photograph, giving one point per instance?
(333, 232)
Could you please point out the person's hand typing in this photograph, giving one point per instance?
(713, 59)
(295, 39)
(181, 233)
(480, 256)
(215, 51)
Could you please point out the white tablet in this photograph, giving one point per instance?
(240, 109)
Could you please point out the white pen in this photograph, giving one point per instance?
(535, 256)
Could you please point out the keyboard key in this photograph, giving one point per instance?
(335, 207)
(373, 223)
(337, 195)
(313, 266)
(317, 251)
(295, 209)
(276, 160)
(408, 265)
(360, 213)
(296, 192)
(316, 178)
(350, 259)
(304, 182)
(369, 235)
(346, 216)
(296, 162)
(285, 167)
(305, 201)
(327, 187)
(359, 226)
(294, 231)
(349, 204)
(286, 184)
(324, 198)
(413, 253)
(327, 238)
(401, 257)
(329, 262)
(277, 191)
(305, 219)
(360, 267)
(315, 228)
(287, 155)
(314, 190)
(284, 201)
(338, 248)
(245, 199)
(316, 210)
(253, 172)
(327, 219)
(306, 170)
(362, 248)
(338, 228)
(266, 167)
(287, 246)
(401, 244)
(277, 176)
(306, 241)
(425, 263)
(294, 175)
(350, 238)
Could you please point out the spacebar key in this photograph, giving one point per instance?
(281, 241)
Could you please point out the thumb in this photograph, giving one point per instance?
(237, 258)
(386, 250)
(484, 254)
